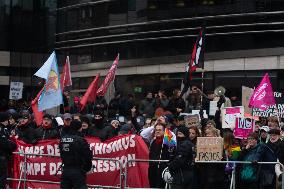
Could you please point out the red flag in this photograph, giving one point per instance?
(37, 114)
(91, 93)
(65, 77)
(109, 78)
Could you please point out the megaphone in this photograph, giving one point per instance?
(220, 91)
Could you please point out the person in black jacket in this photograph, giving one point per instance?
(112, 129)
(26, 128)
(269, 152)
(158, 151)
(181, 166)
(6, 149)
(99, 129)
(48, 129)
(76, 158)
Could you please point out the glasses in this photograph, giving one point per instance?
(250, 138)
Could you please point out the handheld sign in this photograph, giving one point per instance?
(16, 90)
(244, 126)
(229, 115)
(209, 149)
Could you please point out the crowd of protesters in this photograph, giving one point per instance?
(149, 118)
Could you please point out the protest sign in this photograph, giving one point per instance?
(229, 114)
(16, 90)
(209, 149)
(213, 108)
(192, 119)
(246, 94)
(273, 110)
(244, 126)
(122, 148)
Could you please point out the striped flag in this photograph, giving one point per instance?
(169, 138)
(109, 78)
(196, 60)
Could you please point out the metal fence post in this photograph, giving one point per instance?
(25, 170)
(282, 181)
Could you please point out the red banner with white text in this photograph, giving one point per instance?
(107, 173)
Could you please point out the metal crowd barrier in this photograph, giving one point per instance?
(23, 173)
(233, 180)
(124, 175)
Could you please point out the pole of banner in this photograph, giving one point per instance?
(25, 170)
(202, 87)
(282, 175)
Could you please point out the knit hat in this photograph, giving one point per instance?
(184, 130)
(75, 125)
(4, 116)
(85, 119)
(25, 114)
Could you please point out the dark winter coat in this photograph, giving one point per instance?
(157, 152)
(181, 166)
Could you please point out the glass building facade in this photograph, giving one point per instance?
(27, 29)
(95, 31)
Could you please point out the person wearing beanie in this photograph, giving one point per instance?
(25, 130)
(85, 125)
(180, 165)
(76, 157)
(48, 129)
(6, 148)
(113, 129)
(99, 130)
(13, 122)
(270, 152)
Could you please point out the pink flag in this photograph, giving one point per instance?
(109, 78)
(263, 95)
(65, 77)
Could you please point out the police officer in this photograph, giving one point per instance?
(76, 158)
(6, 148)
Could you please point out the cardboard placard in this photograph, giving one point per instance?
(209, 149)
(16, 90)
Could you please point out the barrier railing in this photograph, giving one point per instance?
(124, 174)
(233, 180)
(23, 173)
